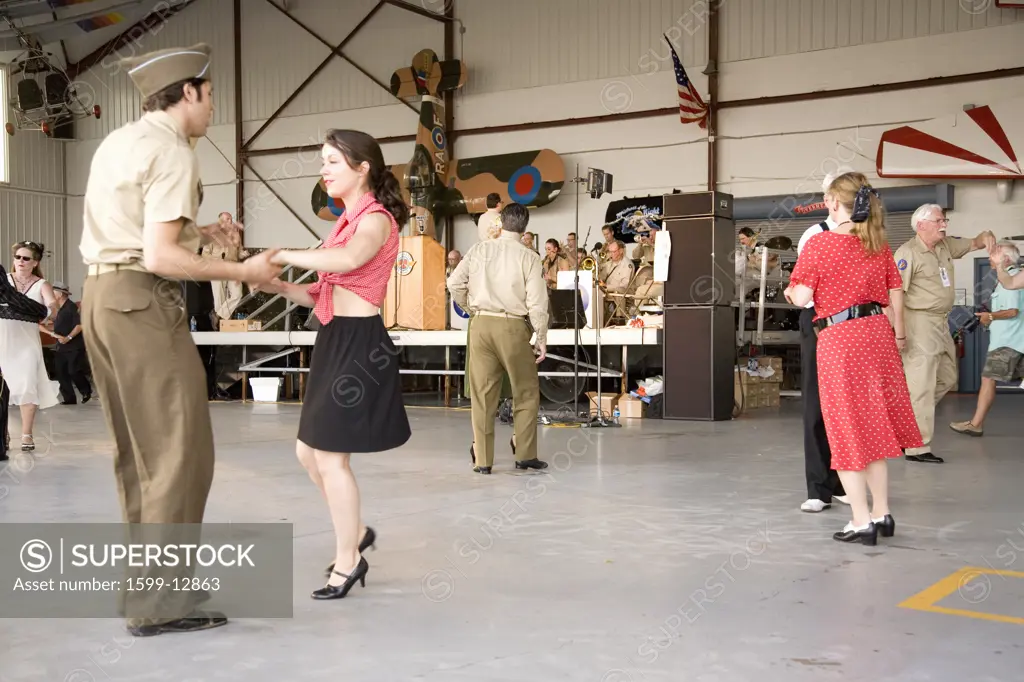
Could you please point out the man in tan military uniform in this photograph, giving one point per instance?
(501, 283)
(489, 225)
(139, 237)
(615, 275)
(929, 359)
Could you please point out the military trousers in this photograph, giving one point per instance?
(500, 346)
(506, 385)
(929, 363)
(152, 386)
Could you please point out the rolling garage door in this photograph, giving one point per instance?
(896, 224)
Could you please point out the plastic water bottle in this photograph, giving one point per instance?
(615, 415)
(192, 323)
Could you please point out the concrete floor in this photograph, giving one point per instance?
(660, 551)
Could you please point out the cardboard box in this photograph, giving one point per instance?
(630, 407)
(241, 325)
(757, 395)
(608, 402)
(763, 361)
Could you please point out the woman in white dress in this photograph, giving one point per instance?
(21, 349)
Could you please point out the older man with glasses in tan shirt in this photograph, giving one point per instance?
(501, 283)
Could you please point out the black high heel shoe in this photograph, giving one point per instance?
(886, 525)
(369, 540)
(867, 536)
(339, 591)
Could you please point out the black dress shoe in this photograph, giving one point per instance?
(199, 620)
(86, 398)
(482, 470)
(886, 525)
(531, 464)
(339, 591)
(926, 457)
(369, 540)
(867, 536)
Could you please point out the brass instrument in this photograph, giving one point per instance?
(588, 263)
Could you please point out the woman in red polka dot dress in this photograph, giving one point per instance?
(851, 276)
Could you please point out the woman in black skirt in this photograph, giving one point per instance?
(353, 397)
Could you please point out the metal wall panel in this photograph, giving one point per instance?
(107, 84)
(752, 29)
(548, 42)
(36, 161)
(39, 217)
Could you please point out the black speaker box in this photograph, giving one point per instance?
(701, 266)
(697, 204)
(699, 350)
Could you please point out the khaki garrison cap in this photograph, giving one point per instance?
(153, 72)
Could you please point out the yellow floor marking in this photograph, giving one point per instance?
(926, 599)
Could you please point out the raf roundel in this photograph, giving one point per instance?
(324, 205)
(437, 135)
(524, 185)
(902, 265)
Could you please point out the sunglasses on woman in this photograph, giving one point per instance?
(24, 258)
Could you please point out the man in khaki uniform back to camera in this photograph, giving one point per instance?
(929, 359)
(139, 237)
(500, 282)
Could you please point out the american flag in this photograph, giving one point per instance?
(691, 106)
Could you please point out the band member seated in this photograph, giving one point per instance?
(608, 232)
(569, 250)
(616, 271)
(554, 261)
(644, 249)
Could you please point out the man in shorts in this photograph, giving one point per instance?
(1005, 322)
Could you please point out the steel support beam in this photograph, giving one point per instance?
(712, 74)
(239, 118)
(283, 202)
(334, 51)
(148, 23)
(752, 102)
(449, 109)
(251, 153)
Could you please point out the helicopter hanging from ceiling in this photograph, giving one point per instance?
(42, 96)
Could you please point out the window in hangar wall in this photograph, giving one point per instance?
(897, 225)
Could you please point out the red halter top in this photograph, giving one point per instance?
(370, 280)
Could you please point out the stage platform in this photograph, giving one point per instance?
(614, 336)
(617, 340)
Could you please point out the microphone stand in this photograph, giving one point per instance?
(599, 421)
(576, 319)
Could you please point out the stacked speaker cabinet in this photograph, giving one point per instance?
(699, 334)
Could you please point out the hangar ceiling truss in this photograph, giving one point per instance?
(243, 146)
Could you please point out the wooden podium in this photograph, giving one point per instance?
(417, 290)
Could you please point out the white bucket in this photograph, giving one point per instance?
(265, 389)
